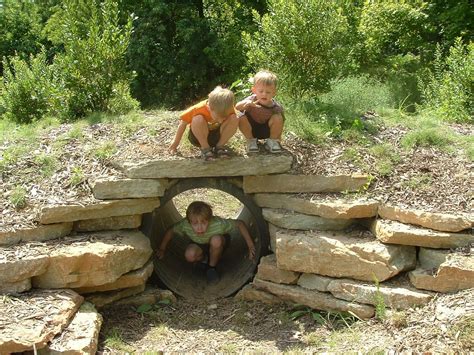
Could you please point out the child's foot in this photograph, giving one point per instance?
(252, 146)
(272, 145)
(222, 152)
(212, 275)
(207, 154)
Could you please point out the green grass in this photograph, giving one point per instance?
(18, 197)
(105, 151)
(46, 163)
(427, 137)
(386, 156)
(77, 176)
(114, 340)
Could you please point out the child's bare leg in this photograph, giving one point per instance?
(193, 253)
(276, 126)
(216, 247)
(200, 130)
(245, 127)
(228, 129)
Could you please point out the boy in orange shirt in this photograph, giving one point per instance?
(212, 123)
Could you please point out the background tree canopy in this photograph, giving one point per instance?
(113, 55)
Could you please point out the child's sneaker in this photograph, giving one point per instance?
(272, 145)
(252, 146)
(212, 275)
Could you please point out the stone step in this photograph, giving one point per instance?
(335, 208)
(35, 234)
(342, 254)
(269, 271)
(284, 183)
(261, 164)
(444, 271)
(291, 220)
(116, 189)
(444, 222)
(34, 318)
(314, 299)
(393, 232)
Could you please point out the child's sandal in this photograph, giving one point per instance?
(207, 154)
(222, 152)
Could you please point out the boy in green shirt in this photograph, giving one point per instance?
(207, 236)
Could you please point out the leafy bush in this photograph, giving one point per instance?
(448, 90)
(303, 42)
(29, 90)
(93, 67)
(350, 97)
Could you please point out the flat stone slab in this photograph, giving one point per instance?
(285, 183)
(335, 209)
(339, 254)
(251, 293)
(438, 221)
(261, 164)
(34, 318)
(38, 234)
(151, 295)
(81, 336)
(70, 213)
(93, 259)
(108, 223)
(454, 273)
(393, 232)
(314, 299)
(268, 271)
(104, 298)
(291, 220)
(20, 262)
(116, 189)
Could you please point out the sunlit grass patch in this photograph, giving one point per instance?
(386, 158)
(17, 197)
(46, 163)
(114, 340)
(105, 151)
(427, 137)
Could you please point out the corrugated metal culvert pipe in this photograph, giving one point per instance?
(234, 268)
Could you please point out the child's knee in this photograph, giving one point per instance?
(198, 120)
(276, 118)
(192, 254)
(216, 242)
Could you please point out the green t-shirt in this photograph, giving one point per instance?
(217, 226)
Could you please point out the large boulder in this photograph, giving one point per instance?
(291, 220)
(340, 254)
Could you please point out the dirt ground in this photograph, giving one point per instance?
(446, 325)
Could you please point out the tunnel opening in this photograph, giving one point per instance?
(234, 268)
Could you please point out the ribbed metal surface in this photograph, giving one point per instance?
(235, 269)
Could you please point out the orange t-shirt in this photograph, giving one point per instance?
(202, 109)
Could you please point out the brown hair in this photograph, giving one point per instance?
(221, 100)
(265, 77)
(199, 208)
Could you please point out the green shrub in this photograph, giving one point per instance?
(350, 97)
(302, 42)
(448, 90)
(93, 67)
(29, 90)
(426, 137)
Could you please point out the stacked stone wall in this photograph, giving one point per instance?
(331, 248)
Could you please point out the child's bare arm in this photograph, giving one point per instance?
(248, 239)
(246, 104)
(177, 138)
(160, 253)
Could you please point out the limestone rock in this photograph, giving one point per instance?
(251, 293)
(15, 287)
(272, 231)
(342, 255)
(291, 220)
(454, 273)
(35, 234)
(393, 296)
(102, 299)
(261, 164)
(130, 279)
(94, 259)
(151, 295)
(340, 208)
(21, 262)
(268, 271)
(116, 189)
(315, 282)
(32, 319)
(392, 232)
(81, 335)
(438, 221)
(109, 223)
(304, 183)
(314, 299)
(70, 213)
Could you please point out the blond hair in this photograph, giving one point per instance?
(266, 78)
(221, 100)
